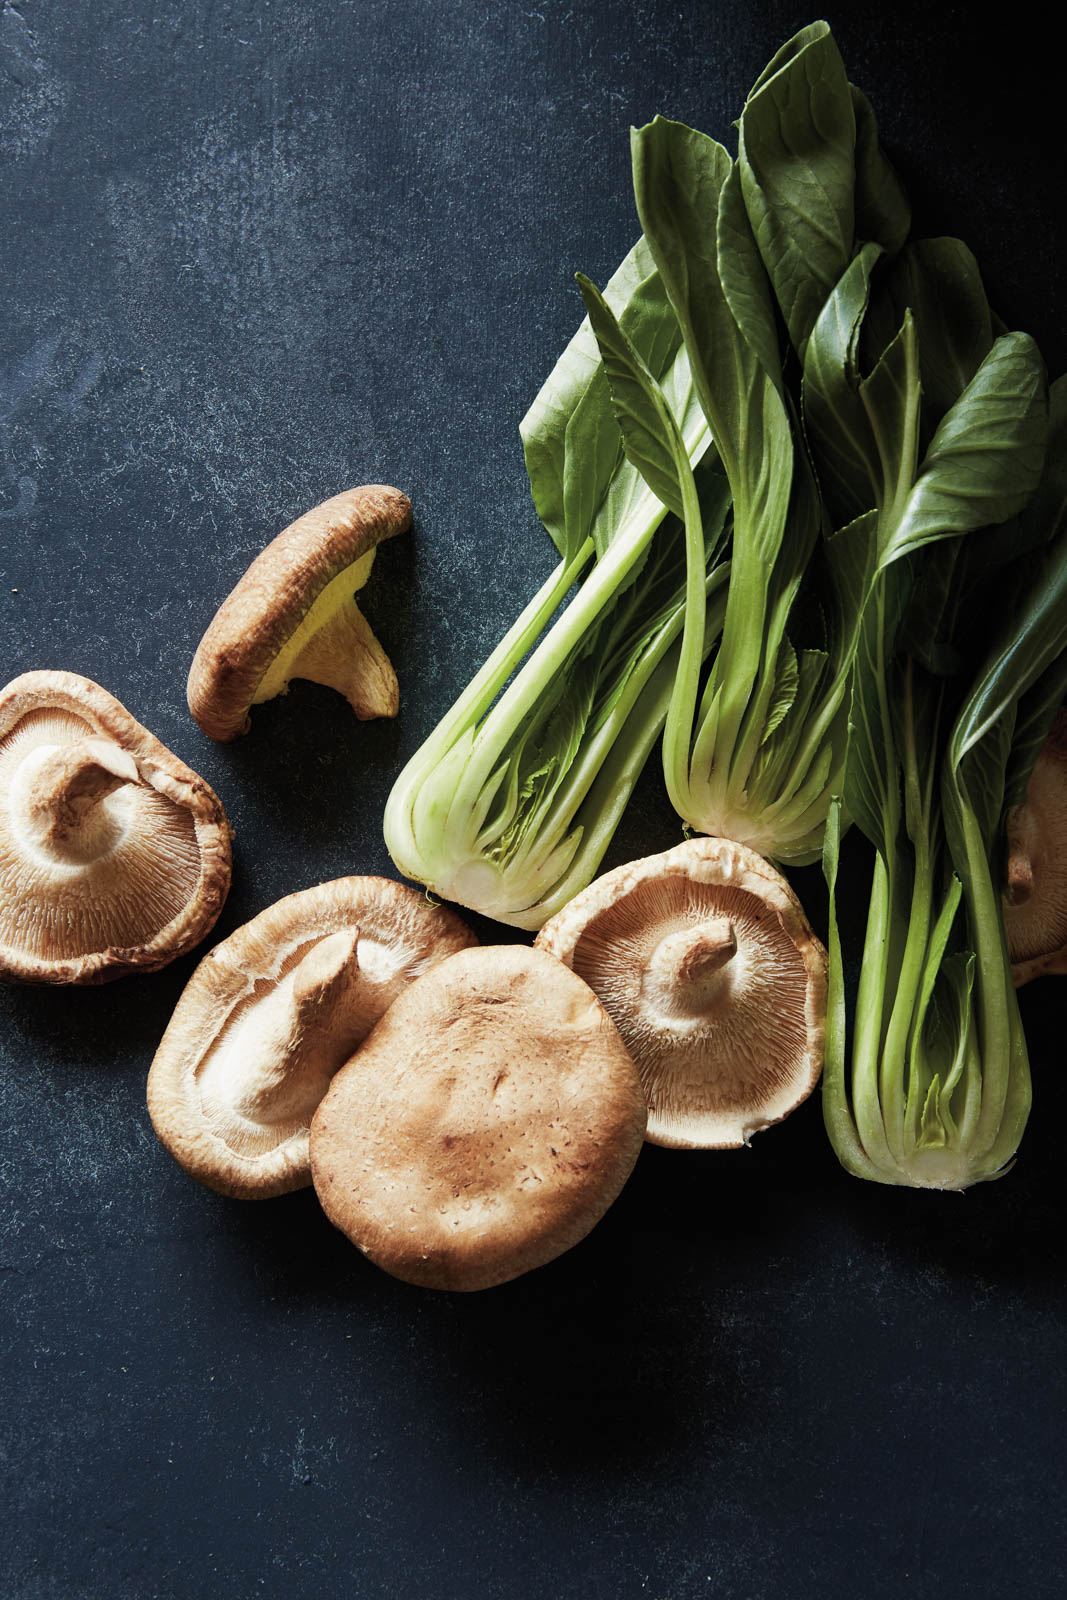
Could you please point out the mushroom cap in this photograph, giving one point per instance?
(707, 964)
(114, 855)
(1035, 894)
(484, 1127)
(294, 587)
(272, 1012)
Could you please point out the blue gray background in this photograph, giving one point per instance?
(252, 252)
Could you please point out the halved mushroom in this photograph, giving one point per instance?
(1035, 891)
(706, 962)
(114, 855)
(486, 1125)
(292, 615)
(272, 1012)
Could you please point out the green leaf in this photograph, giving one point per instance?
(928, 630)
(1045, 516)
(788, 52)
(679, 179)
(786, 683)
(852, 556)
(835, 419)
(1023, 660)
(890, 396)
(777, 777)
(872, 792)
(986, 456)
(932, 1134)
(687, 197)
(566, 422)
(650, 434)
(745, 286)
(797, 153)
(571, 440)
(1034, 719)
(938, 281)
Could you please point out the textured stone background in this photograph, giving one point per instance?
(250, 253)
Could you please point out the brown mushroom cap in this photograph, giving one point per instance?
(705, 960)
(1035, 891)
(272, 1012)
(114, 855)
(292, 615)
(486, 1125)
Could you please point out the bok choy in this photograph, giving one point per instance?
(763, 751)
(510, 803)
(690, 204)
(934, 1090)
(930, 1087)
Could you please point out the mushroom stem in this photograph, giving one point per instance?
(329, 1010)
(1019, 875)
(345, 655)
(685, 972)
(60, 797)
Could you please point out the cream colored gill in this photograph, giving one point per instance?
(336, 593)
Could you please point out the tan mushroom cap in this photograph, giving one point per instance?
(114, 855)
(292, 615)
(704, 958)
(1035, 891)
(486, 1125)
(269, 1016)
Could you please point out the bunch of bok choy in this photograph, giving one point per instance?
(797, 474)
(511, 802)
(927, 436)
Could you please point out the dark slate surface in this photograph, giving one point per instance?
(251, 253)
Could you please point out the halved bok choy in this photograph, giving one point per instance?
(511, 802)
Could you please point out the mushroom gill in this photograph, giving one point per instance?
(114, 856)
(707, 965)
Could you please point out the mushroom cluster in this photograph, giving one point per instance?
(466, 1113)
